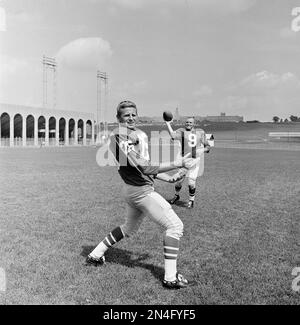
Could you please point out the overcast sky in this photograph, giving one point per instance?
(203, 56)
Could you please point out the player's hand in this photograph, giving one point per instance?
(179, 175)
(207, 149)
(200, 151)
(190, 162)
(181, 161)
(172, 178)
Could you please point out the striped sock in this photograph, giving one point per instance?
(192, 191)
(112, 238)
(171, 249)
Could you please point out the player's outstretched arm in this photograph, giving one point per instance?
(125, 153)
(184, 161)
(172, 133)
(147, 168)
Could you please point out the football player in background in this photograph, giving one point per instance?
(129, 146)
(192, 141)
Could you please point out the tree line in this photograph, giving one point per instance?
(293, 118)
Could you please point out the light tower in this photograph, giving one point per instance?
(49, 64)
(102, 79)
(177, 116)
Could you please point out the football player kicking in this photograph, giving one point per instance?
(192, 141)
(129, 146)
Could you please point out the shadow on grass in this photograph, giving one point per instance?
(127, 258)
(179, 203)
(182, 204)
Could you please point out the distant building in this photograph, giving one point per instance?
(181, 119)
(222, 118)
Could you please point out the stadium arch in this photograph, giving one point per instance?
(26, 126)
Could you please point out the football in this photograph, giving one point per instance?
(168, 116)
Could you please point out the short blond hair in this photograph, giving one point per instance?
(124, 104)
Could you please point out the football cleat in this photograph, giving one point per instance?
(175, 199)
(179, 283)
(95, 261)
(190, 204)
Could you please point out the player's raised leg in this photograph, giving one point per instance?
(161, 212)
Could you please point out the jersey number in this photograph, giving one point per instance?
(192, 140)
(126, 146)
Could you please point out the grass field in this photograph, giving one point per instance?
(241, 240)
